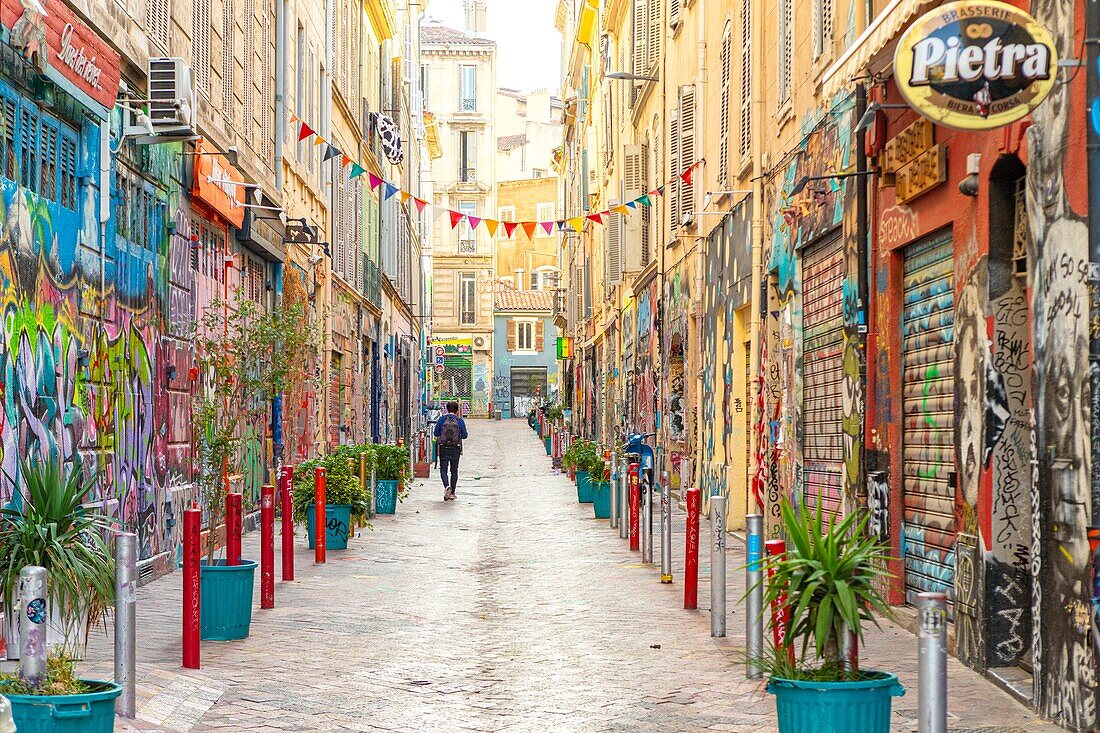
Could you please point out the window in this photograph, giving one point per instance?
(28, 147)
(200, 44)
(228, 62)
(467, 293)
(468, 88)
(823, 27)
(538, 173)
(545, 212)
(525, 336)
(745, 121)
(249, 105)
(544, 278)
(724, 111)
(786, 43)
(467, 156)
(687, 150)
(467, 237)
(300, 71)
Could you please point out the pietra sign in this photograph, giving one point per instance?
(975, 65)
(56, 38)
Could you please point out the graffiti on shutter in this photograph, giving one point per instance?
(928, 319)
(823, 357)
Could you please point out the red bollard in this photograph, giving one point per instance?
(691, 552)
(635, 506)
(320, 516)
(233, 504)
(267, 546)
(288, 522)
(781, 614)
(192, 609)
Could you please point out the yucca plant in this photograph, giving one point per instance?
(831, 576)
(54, 530)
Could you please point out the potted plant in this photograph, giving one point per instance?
(391, 477)
(586, 458)
(829, 580)
(600, 479)
(61, 703)
(48, 526)
(344, 496)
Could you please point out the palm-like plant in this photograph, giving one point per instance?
(831, 576)
(54, 530)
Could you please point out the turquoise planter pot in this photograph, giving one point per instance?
(584, 488)
(601, 499)
(226, 600)
(549, 443)
(337, 523)
(386, 497)
(835, 707)
(92, 712)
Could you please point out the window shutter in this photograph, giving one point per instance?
(815, 22)
(539, 336)
(674, 183)
(724, 113)
(158, 22)
(745, 121)
(786, 18)
(674, 13)
(687, 149)
(632, 226)
(827, 10)
(614, 239)
(228, 21)
(266, 111)
(248, 66)
(653, 55)
(513, 328)
(639, 36)
(200, 42)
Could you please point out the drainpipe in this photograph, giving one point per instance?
(758, 308)
(863, 251)
(700, 184)
(1092, 42)
(281, 15)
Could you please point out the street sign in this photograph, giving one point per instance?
(439, 368)
(440, 352)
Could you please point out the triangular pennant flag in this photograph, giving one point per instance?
(304, 132)
(344, 160)
(405, 196)
(293, 118)
(595, 217)
(510, 228)
(492, 225)
(391, 191)
(577, 222)
(474, 221)
(332, 152)
(375, 181)
(561, 225)
(529, 228)
(420, 204)
(547, 226)
(686, 175)
(655, 192)
(318, 140)
(358, 170)
(622, 209)
(632, 204)
(644, 200)
(456, 216)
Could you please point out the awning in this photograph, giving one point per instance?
(586, 23)
(872, 44)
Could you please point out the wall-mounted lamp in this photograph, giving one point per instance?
(801, 185)
(969, 185)
(873, 108)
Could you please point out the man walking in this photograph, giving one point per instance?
(450, 431)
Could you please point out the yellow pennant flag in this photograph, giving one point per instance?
(623, 209)
(492, 225)
(317, 140)
(405, 196)
(577, 222)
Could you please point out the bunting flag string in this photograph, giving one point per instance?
(388, 190)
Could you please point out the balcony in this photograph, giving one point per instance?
(468, 104)
(467, 174)
(467, 246)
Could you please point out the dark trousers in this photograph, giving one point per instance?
(448, 460)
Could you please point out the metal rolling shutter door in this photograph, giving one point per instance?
(822, 369)
(928, 352)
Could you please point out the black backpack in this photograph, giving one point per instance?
(450, 435)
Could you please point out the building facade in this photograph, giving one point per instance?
(524, 351)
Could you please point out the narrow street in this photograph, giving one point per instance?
(511, 609)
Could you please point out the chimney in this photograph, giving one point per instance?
(475, 16)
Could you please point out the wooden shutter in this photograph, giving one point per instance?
(653, 54)
(687, 150)
(158, 22)
(674, 13)
(513, 328)
(745, 121)
(786, 33)
(724, 112)
(228, 62)
(266, 110)
(630, 241)
(827, 9)
(614, 238)
(539, 336)
(639, 36)
(674, 183)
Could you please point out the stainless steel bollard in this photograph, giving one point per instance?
(614, 489)
(932, 662)
(647, 520)
(718, 566)
(754, 603)
(666, 528)
(125, 621)
(624, 501)
(373, 504)
(34, 607)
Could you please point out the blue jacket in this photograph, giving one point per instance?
(461, 427)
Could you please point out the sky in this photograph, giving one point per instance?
(528, 45)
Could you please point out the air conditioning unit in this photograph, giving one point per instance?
(172, 97)
(481, 343)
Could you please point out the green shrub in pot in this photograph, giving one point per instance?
(342, 485)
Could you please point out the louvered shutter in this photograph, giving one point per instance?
(649, 213)
(639, 44)
(228, 62)
(724, 113)
(827, 9)
(674, 184)
(248, 67)
(786, 33)
(745, 122)
(815, 22)
(200, 44)
(687, 150)
(266, 110)
(653, 54)
(513, 328)
(613, 235)
(630, 242)
(674, 13)
(158, 15)
(539, 336)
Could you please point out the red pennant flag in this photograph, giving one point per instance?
(529, 228)
(420, 204)
(304, 132)
(598, 218)
(375, 181)
(456, 216)
(686, 176)
(510, 228)
(655, 192)
(344, 161)
(548, 226)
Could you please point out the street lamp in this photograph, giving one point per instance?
(873, 108)
(627, 76)
(801, 185)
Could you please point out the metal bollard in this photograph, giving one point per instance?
(125, 621)
(691, 551)
(666, 528)
(635, 507)
(288, 522)
(267, 546)
(373, 503)
(233, 515)
(718, 566)
(192, 604)
(320, 516)
(754, 603)
(932, 662)
(614, 518)
(624, 500)
(33, 602)
(647, 520)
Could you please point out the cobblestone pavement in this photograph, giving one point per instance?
(510, 609)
